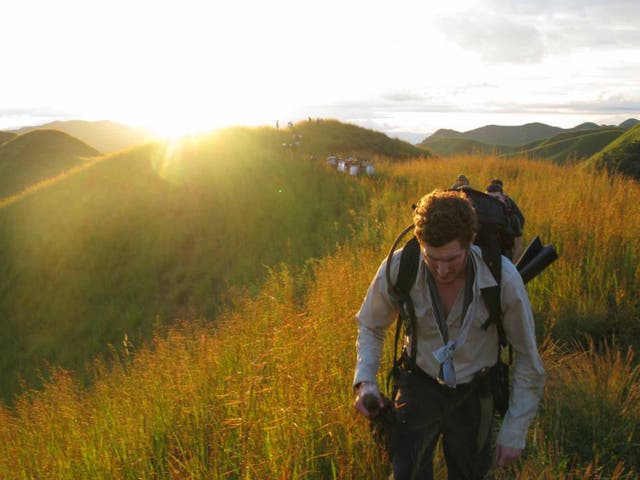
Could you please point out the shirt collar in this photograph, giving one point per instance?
(484, 277)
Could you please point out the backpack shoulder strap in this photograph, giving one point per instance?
(491, 295)
(409, 261)
(400, 292)
(408, 265)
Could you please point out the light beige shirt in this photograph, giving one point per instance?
(480, 347)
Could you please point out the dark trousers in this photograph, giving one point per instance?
(426, 411)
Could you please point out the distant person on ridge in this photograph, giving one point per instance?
(512, 238)
(442, 388)
(461, 181)
(510, 202)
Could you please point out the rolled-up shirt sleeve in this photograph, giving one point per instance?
(528, 372)
(375, 316)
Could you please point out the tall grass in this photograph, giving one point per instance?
(266, 392)
(265, 395)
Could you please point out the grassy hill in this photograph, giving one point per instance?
(6, 136)
(36, 156)
(105, 136)
(580, 142)
(629, 123)
(161, 231)
(574, 146)
(608, 157)
(264, 390)
(326, 137)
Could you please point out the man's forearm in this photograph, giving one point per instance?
(369, 348)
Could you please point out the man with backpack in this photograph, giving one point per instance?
(512, 245)
(443, 380)
(461, 181)
(509, 202)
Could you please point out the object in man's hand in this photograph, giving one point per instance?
(381, 423)
(370, 402)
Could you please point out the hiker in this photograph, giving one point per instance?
(442, 385)
(509, 202)
(461, 181)
(513, 245)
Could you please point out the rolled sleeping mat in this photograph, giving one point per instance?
(538, 263)
(531, 251)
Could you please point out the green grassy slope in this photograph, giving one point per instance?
(574, 145)
(580, 142)
(631, 135)
(35, 156)
(156, 232)
(568, 135)
(104, 136)
(332, 137)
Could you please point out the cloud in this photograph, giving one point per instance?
(385, 111)
(502, 31)
(16, 117)
(403, 96)
(613, 104)
(37, 112)
(497, 38)
(433, 94)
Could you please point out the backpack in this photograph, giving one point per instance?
(513, 207)
(492, 236)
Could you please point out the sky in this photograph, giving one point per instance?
(407, 68)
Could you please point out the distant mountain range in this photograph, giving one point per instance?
(104, 136)
(518, 135)
(535, 140)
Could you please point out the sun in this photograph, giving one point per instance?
(191, 109)
(196, 119)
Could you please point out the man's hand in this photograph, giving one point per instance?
(368, 400)
(506, 456)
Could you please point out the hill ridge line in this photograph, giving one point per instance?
(36, 187)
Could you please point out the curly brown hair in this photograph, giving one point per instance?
(444, 215)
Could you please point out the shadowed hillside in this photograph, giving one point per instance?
(104, 136)
(629, 123)
(577, 145)
(502, 135)
(36, 156)
(620, 156)
(445, 147)
(6, 136)
(157, 232)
